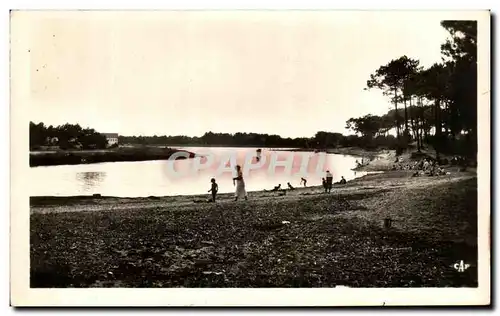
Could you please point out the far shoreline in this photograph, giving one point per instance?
(159, 152)
(121, 154)
(348, 151)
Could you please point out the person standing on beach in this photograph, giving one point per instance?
(240, 185)
(303, 180)
(214, 189)
(329, 181)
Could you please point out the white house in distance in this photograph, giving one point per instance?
(112, 138)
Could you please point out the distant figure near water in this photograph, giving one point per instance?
(303, 180)
(240, 185)
(290, 186)
(214, 189)
(259, 153)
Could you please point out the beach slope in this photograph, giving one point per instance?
(303, 239)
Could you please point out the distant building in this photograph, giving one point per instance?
(112, 138)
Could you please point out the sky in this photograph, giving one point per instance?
(289, 73)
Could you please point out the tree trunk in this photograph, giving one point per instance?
(419, 130)
(415, 127)
(412, 122)
(406, 118)
(421, 118)
(396, 113)
(437, 141)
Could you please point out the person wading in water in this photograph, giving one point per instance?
(259, 153)
(240, 185)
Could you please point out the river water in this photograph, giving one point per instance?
(191, 176)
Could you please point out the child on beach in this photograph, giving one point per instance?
(324, 183)
(303, 180)
(214, 189)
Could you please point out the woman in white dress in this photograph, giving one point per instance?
(240, 185)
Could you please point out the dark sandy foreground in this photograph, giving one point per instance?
(303, 239)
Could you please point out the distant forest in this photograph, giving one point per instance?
(434, 106)
(319, 141)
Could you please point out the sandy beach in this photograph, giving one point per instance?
(305, 238)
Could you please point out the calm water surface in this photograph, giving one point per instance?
(162, 177)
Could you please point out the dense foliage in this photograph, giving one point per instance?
(65, 136)
(442, 97)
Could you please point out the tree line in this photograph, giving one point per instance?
(321, 140)
(67, 136)
(73, 136)
(441, 98)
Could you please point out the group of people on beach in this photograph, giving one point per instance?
(363, 162)
(241, 193)
(428, 167)
(425, 166)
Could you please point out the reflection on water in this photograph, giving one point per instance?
(90, 179)
(146, 178)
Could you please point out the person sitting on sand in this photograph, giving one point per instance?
(329, 181)
(290, 186)
(277, 188)
(433, 170)
(426, 165)
(214, 189)
(441, 171)
(240, 185)
(420, 165)
(304, 181)
(342, 180)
